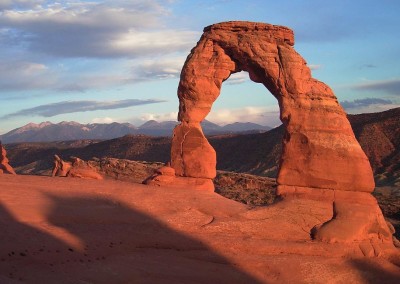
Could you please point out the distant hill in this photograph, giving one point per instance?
(258, 153)
(246, 126)
(377, 133)
(47, 132)
(63, 131)
(379, 136)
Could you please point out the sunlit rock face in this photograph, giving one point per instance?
(5, 167)
(319, 147)
(77, 168)
(321, 158)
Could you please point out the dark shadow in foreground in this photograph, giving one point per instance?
(372, 273)
(120, 245)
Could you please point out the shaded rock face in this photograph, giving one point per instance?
(320, 154)
(319, 147)
(4, 162)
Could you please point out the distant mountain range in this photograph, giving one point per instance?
(64, 131)
(259, 153)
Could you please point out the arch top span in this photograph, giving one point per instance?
(277, 33)
(319, 148)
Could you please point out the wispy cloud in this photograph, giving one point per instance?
(160, 68)
(171, 116)
(391, 87)
(19, 4)
(23, 75)
(361, 103)
(17, 76)
(95, 29)
(368, 66)
(103, 120)
(261, 115)
(238, 78)
(37, 37)
(50, 110)
(315, 66)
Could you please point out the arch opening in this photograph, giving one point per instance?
(244, 107)
(243, 101)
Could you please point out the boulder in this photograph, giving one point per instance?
(77, 168)
(5, 167)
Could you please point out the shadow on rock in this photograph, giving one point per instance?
(23, 247)
(371, 272)
(119, 245)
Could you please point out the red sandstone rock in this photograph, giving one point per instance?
(166, 171)
(77, 169)
(321, 158)
(4, 162)
(194, 157)
(60, 167)
(354, 214)
(319, 149)
(165, 176)
(67, 229)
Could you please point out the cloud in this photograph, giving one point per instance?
(160, 68)
(391, 87)
(86, 45)
(91, 29)
(103, 120)
(27, 76)
(24, 75)
(50, 110)
(368, 66)
(362, 103)
(19, 4)
(314, 66)
(171, 116)
(261, 115)
(238, 78)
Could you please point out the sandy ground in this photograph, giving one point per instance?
(62, 230)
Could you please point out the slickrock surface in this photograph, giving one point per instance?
(5, 167)
(88, 231)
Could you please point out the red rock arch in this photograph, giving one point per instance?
(321, 162)
(319, 147)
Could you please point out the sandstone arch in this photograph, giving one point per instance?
(319, 149)
(321, 158)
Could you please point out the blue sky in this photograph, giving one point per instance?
(104, 61)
